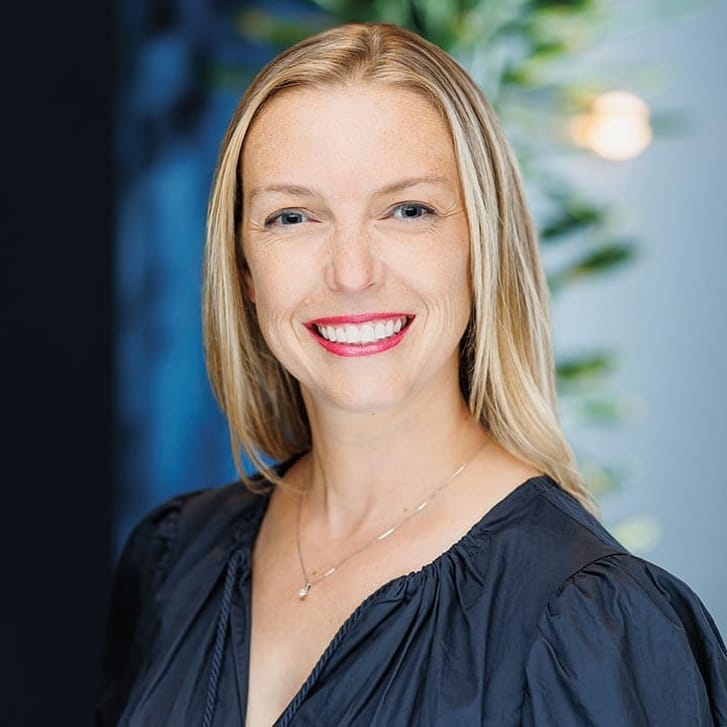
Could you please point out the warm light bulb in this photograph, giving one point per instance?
(617, 126)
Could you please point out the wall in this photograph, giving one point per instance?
(666, 314)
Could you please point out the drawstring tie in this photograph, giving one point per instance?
(223, 624)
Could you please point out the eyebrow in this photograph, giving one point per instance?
(293, 189)
(407, 182)
(393, 187)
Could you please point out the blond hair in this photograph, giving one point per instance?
(506, 361)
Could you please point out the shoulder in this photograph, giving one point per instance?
(186, 529)
(542, 532)
(623, 642)
(192, 522)
(618, 640)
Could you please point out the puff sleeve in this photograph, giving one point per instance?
(623, 643)
(131, 622)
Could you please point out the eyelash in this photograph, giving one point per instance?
(275, 217)
(424, 209)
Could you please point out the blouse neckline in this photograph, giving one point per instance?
(470, 541)
(396, 588)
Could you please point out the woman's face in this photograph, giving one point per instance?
(357, 243)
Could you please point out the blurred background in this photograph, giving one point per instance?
(617, 113)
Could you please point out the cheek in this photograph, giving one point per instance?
(268, 281)
(458, 261)
(273, 324)
(461, 295)
(271, 302)
(449, 273)
(248, 286)
(456, 292)
(277, 290)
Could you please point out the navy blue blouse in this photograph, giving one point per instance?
(537, 616)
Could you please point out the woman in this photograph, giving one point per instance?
(376, 320)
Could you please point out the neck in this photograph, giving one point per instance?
(363, 467)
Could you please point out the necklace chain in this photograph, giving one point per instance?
(310, 582)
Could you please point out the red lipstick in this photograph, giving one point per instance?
(371, 332)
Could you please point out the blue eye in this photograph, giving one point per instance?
(287, 218)
(411, 211)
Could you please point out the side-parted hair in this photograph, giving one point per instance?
(506, 360)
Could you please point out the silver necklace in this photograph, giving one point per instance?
(310, 582)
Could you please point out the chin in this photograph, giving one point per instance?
(362, 398)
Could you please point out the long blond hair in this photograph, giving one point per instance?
(506, 360)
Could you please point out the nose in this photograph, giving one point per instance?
(353, 265)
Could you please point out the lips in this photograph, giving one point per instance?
(360, 334)
(363, 333)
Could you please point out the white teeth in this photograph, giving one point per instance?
(366, 333)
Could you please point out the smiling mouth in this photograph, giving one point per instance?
(363, 333)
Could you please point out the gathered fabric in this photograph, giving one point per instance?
(536, 616)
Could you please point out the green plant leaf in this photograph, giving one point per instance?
(573, 216)
(638, 533)
(605, 258)
(279, 32)
(576, 368)
(599, 479)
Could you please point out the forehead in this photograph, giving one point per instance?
(360, 130)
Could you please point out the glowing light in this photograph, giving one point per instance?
(616, 127)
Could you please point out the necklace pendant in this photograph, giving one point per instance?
(303, 592)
